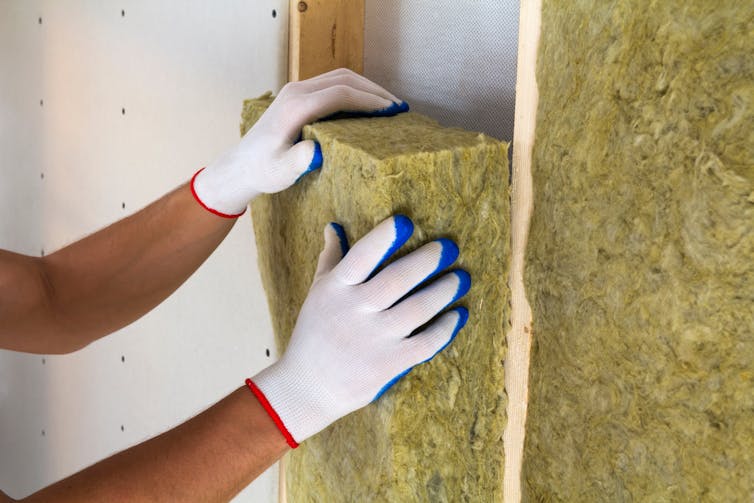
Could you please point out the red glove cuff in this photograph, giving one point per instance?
(274, 415)
(201, 203)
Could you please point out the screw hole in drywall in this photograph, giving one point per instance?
(44, 361)
(41, 103)
(40, 20)
(43, 433)
(42, 253)
(274, 13)
(123, 111)
(123, 205)
(123, 359)
(123, 13)
(122, 428)
(42, 176)
(267, 352)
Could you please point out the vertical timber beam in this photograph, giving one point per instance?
(325, 35)
(520, 332)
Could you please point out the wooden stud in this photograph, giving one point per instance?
(520, 333)
(325, 35)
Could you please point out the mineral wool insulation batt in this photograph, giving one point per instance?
(437, 434)
(640, 261)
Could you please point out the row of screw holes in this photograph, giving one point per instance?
(122, 359)
(42, 175)
(123, 206)
(123, 14)
(122, 110)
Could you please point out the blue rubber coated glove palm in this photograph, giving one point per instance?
(353, 337)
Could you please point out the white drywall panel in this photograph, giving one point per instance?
(104, 107)
(454, 61)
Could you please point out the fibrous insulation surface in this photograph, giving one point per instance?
(437, 434)
(640, 264)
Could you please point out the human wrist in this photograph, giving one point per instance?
(295, 400)
(222, 187)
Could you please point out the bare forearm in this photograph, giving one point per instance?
(209, 458)
(111, 278)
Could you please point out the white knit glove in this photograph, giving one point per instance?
(270, 158)
(352, 339)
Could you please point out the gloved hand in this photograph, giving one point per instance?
(269, 158)
(351, 340)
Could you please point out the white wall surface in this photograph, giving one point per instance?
(99, 109)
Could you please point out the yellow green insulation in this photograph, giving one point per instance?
(640, 262)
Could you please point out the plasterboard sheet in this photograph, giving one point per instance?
(104, 107)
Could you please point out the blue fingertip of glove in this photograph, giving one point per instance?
(316, 158)
(393, 109)
(448, 255)
(389, 111)
(315, 163)
(404, 227)
(464, 284)
(341, 232)
(463, 317)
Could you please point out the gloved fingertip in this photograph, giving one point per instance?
(463, 318)
(448, 255)
(393, 109)
(315, 163)
(342, 238)
(404, 228)
(464, 284)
